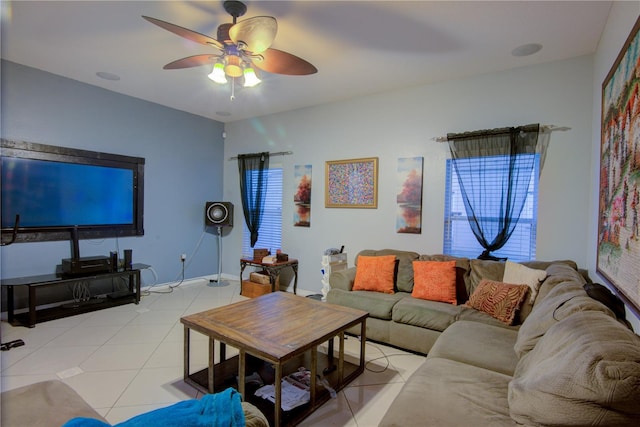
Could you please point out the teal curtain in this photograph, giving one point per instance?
(253, 169)
(511, 152)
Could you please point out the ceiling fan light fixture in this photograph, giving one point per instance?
(242, 46)
(217, 74)
(250, 78)
(233, 66)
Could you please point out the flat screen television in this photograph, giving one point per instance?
(56, 191)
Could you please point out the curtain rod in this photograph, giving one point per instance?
(550, 128)
(278, 153)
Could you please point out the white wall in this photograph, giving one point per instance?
(622, 17)
(402, 124)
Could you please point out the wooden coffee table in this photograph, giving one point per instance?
(283, 330)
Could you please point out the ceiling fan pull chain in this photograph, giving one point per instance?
(233, 88)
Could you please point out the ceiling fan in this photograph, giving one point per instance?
(243, 45)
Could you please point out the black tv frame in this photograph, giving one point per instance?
(31, 150)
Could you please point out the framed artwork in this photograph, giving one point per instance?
(409, 196)
(618, 258)
(351, 183)
(302, 196)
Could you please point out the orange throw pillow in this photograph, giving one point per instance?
(435, 281)
(375, 273)
(497, 299)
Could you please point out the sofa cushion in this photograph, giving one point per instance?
(557, 272)
(425, 314)
(472, 315)
(544, 265)
(404, 277)
(483, 269)
(375, 273)
(586, 378)
(461, 341)
(562, 301)
(435, 281)
(444, 392)
(500, 300)
(343, 279)
(522, 275)
(378, 305)
(44, 404)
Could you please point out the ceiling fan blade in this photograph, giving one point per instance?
(257, 33)
(191, 61)
(279, 62)
(187, 34)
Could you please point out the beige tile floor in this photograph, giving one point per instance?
(128, 360)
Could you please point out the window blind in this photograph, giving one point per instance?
(270, 232)
(459, 240)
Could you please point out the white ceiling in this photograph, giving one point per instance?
(359, 47)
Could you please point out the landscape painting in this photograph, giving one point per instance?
(409, 198)
(302, 196)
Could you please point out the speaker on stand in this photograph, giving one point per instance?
(219, 214)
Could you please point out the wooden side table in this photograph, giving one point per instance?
(272, 269)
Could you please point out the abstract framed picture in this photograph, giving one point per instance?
(409, 196)
(618, 259)
(351, 183)
(302, 196)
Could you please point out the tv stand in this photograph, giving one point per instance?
(33, 316)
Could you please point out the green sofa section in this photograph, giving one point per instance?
(567, 360)
(400, 320)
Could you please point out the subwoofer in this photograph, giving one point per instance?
(219, 214)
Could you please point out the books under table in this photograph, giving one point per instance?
(295, 389)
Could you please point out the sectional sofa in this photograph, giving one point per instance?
(53, 403)
(561, 358)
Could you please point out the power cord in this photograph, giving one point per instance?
(180, 276)
(383, 357)
(80, 291)
(171, 287)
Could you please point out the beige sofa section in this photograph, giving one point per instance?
(584, 369)
(415, 324)
(52, 403)
(566, 362)
(569, 363)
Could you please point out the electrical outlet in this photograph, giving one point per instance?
(183, 257)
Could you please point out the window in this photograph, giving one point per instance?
(459, 240)
(270, 232)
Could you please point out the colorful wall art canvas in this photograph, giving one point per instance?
(351, 183)
(302, 196)
(409, 198)
(619, 205)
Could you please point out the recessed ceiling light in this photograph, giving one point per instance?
(107, 76)
(526, 49)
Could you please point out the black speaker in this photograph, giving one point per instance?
(128, 258)
(219, 214)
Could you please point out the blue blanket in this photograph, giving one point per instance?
(213, 410)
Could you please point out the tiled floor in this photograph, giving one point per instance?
(128, 360)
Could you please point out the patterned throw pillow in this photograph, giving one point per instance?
(375, 273)
(499, 300)
(435, 281)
